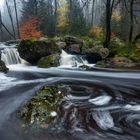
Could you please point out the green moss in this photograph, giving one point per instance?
(49, 61)
(124, 49)
(90, 42)
(39, 109)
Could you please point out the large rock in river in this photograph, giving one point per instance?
(33, 51)
(117, 62)
(73, 45)
(96, 53)
(49, 61)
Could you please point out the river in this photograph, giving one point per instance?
(102, 103)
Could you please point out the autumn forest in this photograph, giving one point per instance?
(69, 69)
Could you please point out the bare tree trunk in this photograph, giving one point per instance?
(92, 18)
(7, 30)
(11, 19)
(108, 24)
(36, 8)
(70, 10)
(56, 7)
(131, 21)
(3, 26)
(1, 34)
(15, 5)
(109, 9)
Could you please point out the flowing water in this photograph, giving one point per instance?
(101, 104)
(68, 60)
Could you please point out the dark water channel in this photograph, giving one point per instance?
(101, 104)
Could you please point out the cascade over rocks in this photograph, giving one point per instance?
(33, 51)
(44, 51)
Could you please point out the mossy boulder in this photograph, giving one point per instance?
(49, 61)
(43, 109)
(74, 45)
(116, 62)
(32, 51)
(70, 40)
(3, 68)
(96, 53)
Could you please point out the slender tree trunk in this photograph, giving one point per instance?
(3, 26)
(36, 8)
(56, 7)
(15, 5)
(108, 23)
(1, 34)
(131, 21)
(7, 30)
(11, 19)
(92, 18)
(70, 11)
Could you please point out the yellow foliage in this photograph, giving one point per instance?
(96, 32)
(62, 14)
(138, 46)
(116, 16)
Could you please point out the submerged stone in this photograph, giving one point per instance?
(43, 109)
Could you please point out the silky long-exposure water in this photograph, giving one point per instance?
(100, 104)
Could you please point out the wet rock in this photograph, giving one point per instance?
(61, 44)
(70, 40)
(32, 51)
(3, 68)
(96, 53)
(84, 67)
(73, 45)
(122, 62)
(103, 52)
(75, 49)
(49, 61)
(43, 109)
(117, 62)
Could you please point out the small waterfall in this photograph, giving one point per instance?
(11, 56)
(72, 60)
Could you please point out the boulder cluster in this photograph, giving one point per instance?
(46, 52)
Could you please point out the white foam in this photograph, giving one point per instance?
(71, 97)
(132, 107)
(5, 82)
(72, 61)
(101, 100)
(53, 114)
(103, 119)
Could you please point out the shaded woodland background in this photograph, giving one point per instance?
(104, 19)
